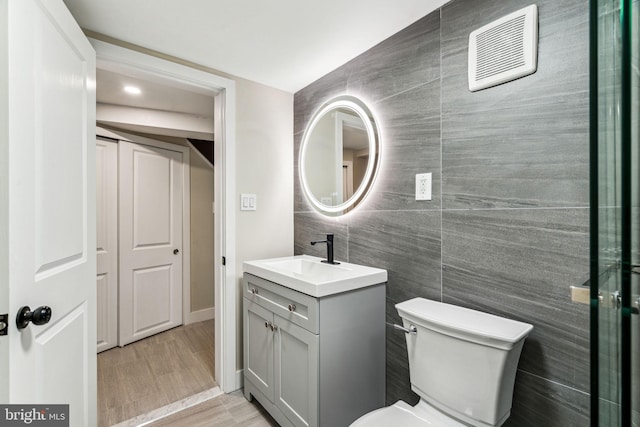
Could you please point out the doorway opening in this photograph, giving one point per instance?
(115, 59)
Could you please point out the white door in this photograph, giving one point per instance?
(150, 188)
(47, 207)
(107, 243)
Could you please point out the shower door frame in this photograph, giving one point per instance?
(623, 266)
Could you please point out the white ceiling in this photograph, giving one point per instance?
(153, 95)
(285, 44)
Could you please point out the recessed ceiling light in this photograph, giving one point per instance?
(132, 90)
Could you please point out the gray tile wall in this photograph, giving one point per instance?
(507, 229)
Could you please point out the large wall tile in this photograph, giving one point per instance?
(406, 244)
(308, 227)
(509, 158)
(405, 60)
(525, 142)
(520, 264)
(538, 402)
(410, 123)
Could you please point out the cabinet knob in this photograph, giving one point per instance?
(254, 291)
(270, 325)
(292, 307)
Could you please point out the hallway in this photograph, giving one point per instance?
(154, 372)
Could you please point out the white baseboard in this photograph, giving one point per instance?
(201, 315)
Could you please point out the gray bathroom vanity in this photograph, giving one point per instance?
(314, 340)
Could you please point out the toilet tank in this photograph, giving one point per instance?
(463, 361)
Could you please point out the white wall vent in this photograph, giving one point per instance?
(504, 50)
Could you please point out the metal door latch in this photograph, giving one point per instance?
(4, 324)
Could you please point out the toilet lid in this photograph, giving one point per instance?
(405, 415)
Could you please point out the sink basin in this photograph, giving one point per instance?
(310, 268)
(307, 274)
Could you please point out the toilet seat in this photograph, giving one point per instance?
(405, 415)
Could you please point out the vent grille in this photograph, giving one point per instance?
(503, 50)
(500, 49)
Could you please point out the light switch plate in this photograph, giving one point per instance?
(248, 202)
(423, 186)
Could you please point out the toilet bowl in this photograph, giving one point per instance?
(462, 364)
(401, 414)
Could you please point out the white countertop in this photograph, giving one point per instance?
(307, 274)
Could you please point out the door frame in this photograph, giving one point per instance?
(122, 60)
(116, 136)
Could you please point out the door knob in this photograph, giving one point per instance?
(39, 316)
(176, 251)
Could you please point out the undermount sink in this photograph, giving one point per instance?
(307, 274)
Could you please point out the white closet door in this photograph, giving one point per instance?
(150, 194)
(107, 243)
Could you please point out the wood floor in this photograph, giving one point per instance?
(154, 372)
(228, 410)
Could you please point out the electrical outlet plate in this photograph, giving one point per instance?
(423, 186)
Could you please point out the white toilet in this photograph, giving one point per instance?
(462, 364)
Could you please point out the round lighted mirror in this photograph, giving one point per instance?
(339, 155)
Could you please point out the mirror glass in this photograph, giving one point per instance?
(339, 155)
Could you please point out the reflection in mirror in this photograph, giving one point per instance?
(339, 155)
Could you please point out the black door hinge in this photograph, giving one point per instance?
(4, 324)
(224, 260)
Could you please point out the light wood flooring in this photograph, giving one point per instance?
(228, 410)
(154, 372)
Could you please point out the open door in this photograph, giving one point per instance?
(47, 213)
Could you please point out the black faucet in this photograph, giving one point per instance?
(329, 243)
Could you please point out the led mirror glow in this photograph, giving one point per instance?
(339, 155)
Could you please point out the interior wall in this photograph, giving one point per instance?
(507, 229)
(202, 253)
(264, 165)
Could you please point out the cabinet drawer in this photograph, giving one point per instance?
(294, 306)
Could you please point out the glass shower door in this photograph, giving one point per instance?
(615, 219)
(634, 134)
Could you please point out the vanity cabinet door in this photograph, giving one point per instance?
(258, 348)
(296, 371)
